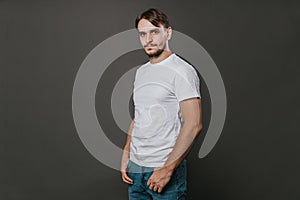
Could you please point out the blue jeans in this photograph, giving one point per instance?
(174, 190)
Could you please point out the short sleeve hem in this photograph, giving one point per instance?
(188, 96)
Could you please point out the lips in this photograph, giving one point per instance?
(149, 49)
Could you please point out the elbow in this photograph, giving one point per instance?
(193, 128)
(198, 128)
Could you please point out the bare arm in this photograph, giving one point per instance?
(191, 113)
(128, 139)
(126, 154)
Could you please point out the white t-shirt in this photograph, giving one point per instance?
(158, 89)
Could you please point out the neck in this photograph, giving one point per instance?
(165, 54)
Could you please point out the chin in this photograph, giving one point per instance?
(155, 53)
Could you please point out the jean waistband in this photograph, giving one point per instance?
(135, 168)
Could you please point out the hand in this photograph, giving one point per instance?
(124, 164)
(159, 179)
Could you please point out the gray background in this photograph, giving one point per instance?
(254, 44)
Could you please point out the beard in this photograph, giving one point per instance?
(156, 53)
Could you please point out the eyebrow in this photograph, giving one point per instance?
(154, 29)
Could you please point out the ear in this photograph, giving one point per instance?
(169, 33)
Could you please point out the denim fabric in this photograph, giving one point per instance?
(174, 190)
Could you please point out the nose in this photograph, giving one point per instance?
(148, 38)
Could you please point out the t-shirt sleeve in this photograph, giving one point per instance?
(187, 85)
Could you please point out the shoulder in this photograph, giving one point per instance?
(142, 67)
(182, 66)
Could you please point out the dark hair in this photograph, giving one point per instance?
(154, 16)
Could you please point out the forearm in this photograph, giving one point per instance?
(183, 144)
(128, 139)
(126, 149)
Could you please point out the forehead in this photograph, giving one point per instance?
(146, 25)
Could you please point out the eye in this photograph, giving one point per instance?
(155, 31)
(142, 34)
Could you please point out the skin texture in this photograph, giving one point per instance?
(155, 42)
(125, 156)
(191, 113)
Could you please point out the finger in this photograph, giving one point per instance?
(127, 178)
(149, 182)
(160, 189)
(125, 181)
(155, 188)
(151, 186)
(129, 181)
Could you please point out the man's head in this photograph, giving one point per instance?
(154, 31)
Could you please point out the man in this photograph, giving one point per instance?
(167, 116)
